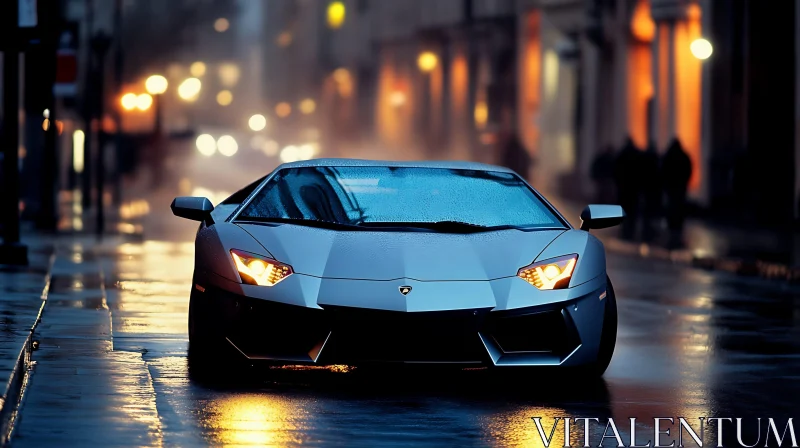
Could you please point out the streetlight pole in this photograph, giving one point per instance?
(11, 251)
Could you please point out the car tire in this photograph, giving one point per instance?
(608, 336)
(205, 339)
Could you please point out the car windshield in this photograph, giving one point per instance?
(428, 198)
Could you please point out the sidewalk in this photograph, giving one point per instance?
(23, 291)
(754, 252)
(58, 264)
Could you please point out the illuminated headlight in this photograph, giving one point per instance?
(257, 270)
(554, 273)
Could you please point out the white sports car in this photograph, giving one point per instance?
(337, 261)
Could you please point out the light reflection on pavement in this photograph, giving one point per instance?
(112, 366)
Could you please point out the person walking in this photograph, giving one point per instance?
(627, 174)
(676, 170)
(651, 186)
(603, 175)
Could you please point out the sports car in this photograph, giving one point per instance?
(357, 262)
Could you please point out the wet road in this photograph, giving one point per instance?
(112, 367)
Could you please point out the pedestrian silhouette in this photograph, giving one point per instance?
(603, 175)
(651, 186)
(676, 170)
(627, 174)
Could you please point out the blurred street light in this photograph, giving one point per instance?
(701, 48)
(308, 106)
(197, 69)
(341, 75)
(336, 15)
(397, 98)
(144, 101)
(227, 145)
(283, 110)
(78, 140)
(156, 85)
(427, 61)
(481, 114)
(285, 39)
(221, 25)
(257, 122)
(206, 145)
(344, 82)
(189, 89)
(305, 152)
(289, 154)
(224, 98)
(128, 101)
(229, 74)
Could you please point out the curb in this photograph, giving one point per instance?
(20, 374)
(757, 268)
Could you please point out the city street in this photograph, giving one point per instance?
(112, 366)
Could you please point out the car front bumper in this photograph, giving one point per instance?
(557, 333)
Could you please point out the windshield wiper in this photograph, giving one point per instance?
(297, 221)
(444, 226)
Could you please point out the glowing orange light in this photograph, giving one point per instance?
(547, 276)
(283, 110)
(642, 25)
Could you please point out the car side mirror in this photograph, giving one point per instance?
(601, 216)
(193, 207)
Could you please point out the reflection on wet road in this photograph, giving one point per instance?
(112, 367)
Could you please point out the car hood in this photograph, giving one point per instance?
(390, 255)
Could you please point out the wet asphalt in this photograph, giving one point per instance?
(112, 368)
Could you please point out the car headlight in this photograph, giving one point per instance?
(554, 273)
(257, 270)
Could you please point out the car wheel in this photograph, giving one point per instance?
(608, 337)
(205, 340)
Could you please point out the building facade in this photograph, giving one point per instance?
(449, 78)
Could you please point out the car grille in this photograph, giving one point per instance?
(390, 336)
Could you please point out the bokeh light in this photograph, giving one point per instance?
(229, 74)
(336, 14)
(197, 69)
(283, 110)
(224, 98)
(284, 39)
(221, 25)
(128, 101)
(78, 141)
(257, 122)
(397, 98)
(701, 48)
(156, 85)
(144, 101)
(227, 146)
(289, 154)
(206, 145)
(308, 106)
(189, 89)
(427, 61)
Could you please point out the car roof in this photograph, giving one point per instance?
(444, 164)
